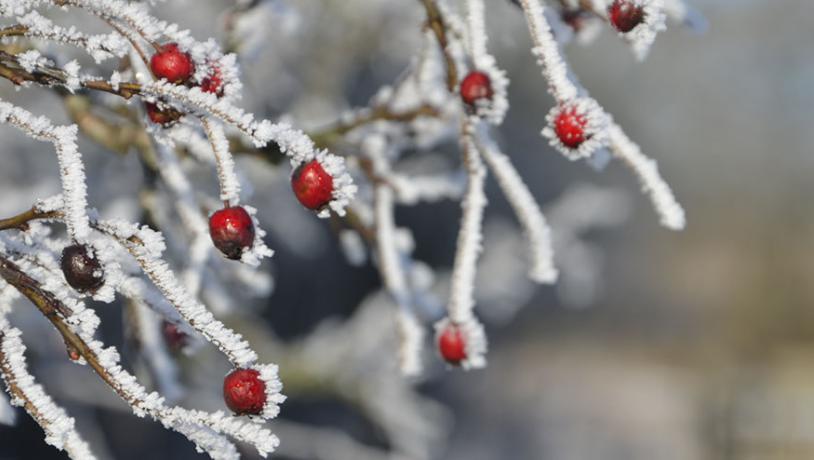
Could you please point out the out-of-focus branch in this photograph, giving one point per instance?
(435, 21)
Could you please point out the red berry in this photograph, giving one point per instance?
(213, 83)
(625, 15)
(162, 115)
(175, 338)
(244, 392)
(312, 185)
(232, 230)
(81, 268)
(476, 86)
(172, 63)
(452, 345)
(570, 127)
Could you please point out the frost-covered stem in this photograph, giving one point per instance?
(470, 236)
(475, 17)
(71, 169)
(20, 221)
(202, 320)
(225, 164)
(670, 212)
(435, 21)
(392, 272)
(11, 69)
(535, 227)
(196, 425)
(547, 52)
(59, 428)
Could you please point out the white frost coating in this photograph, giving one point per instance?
(58, 426)
(30, 60)
(470, 236)
(73, 81)
(671, 214)
(411, 334)
(642, 36)
(253, 255)
(269, 374)
(100, 47)
(475, 344)
(392, 271)
(547, 52)
(71, 169)
(494, 109)
(595, 130)
(227, 179)
(535, 227)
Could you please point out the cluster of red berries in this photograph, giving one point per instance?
(625, 15)
(177, 66)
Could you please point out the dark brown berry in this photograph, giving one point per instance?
(81, 268)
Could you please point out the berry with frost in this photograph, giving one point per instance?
(213, 83)
(172, 64)
(570, 126)
(232, 231)
(244, 392)
(625, 15)
(312, 185)
(81, 268)
(476, 86)
(452, 345)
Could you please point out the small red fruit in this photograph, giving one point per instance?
(81, 268)
(172, 63)
(244, 392)
(163, 115)
(476, 86)
(232, 230)
(213, 83)
(570, 127)
(625, 15)
(312, 185)
(175, 338)
(452, 345)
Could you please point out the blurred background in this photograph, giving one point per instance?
(660, 345)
